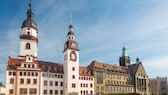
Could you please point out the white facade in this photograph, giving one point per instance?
(2, 90)
(71, 77)
(31, 51)
(28, 32)
(86, 85)
(51, 83)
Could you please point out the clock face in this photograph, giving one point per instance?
(73, 56)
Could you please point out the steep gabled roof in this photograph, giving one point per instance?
(51, 67)
(133, 68)
(108, 67)
(84, 71)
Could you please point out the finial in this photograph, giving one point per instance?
(124, 44)
(137, 60)
(30, 4)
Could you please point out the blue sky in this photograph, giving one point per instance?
(101, 29)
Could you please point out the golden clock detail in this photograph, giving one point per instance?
(73, 56)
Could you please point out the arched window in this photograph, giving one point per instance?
(27, 45)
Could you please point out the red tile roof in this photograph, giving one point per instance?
(45, 66)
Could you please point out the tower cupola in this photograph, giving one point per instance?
(124, 59)
(71, 43)
(124, 52)
(71, 35)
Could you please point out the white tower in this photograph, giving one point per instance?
(28, 36)
(71, 64)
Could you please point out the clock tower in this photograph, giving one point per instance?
(71, 64)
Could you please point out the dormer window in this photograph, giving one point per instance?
(27, 45)
(55, 68)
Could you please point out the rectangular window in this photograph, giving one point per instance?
(28, 65)
(45, 82)
(73, 68)
(51, 83)
(86, 85)
(81, 91)
(33, 66)
(56, 83)
(73, 76)
(11, 80)
(36, 73)
(91, 85)
(25, 65)
(24, 73)
(97, 87)
(102, 88)
(28, 81)
(32, 73)
(61, 92)
(34, 81)
(73, 85)
(33, 91)
(10, 91)
(20, 73)
(14, 73)
(10, 73)
(23, 91)
(21, 81)
(61, 76)
(61, 84)
(51, 92)
(45, 91)
(56, 91)
(99, 77)
(28, 73)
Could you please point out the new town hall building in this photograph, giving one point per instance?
(26, 75)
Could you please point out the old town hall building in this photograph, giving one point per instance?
(26, 75)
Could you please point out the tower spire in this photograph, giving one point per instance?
(30, 18)
(71, 42)
(30, 4)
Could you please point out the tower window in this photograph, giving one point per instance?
(27, 45)
(28, 33)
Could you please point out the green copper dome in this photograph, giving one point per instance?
(124, 52)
